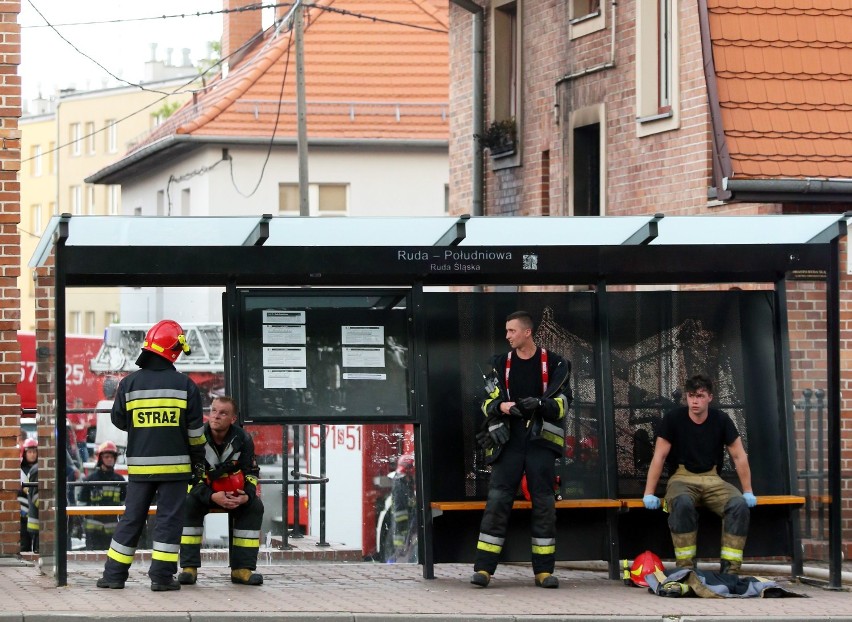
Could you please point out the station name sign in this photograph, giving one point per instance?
(459, 260)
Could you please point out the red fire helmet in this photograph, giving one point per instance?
(166, 339)
(645, 563)
(229, 483)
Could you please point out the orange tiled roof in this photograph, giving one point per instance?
(364, 79)
(784, 76)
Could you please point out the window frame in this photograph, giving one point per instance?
(314, 207)
(507, 75)
(657, 62)
(582, 21)
(74, 138)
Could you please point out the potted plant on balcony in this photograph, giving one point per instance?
(499, 138)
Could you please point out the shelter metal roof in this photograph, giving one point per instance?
(109, 250)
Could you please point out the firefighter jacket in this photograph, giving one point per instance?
(23, 500)
(547, 424)
(103, 495)
(160, 409)
(32, 498)
(235, 454)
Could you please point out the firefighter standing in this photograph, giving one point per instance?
(404, 504)
(691, 440)
(29, 461)
(160, 408)
(524, 415)
(231, 484)
(100, 529)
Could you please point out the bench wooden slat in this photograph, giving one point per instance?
(761, 500)
(449, 506)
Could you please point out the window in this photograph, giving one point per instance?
(587, 183)
(110, 317)
(114, 200)
(585, 17)
(506, 63)
(74, 324)
(35, 161)
(111, 137)
(657, 88)
(76, 199)
(74, 138)
(161, 203)
(90, 137)
(90, 322)
(52, 207)
(90, 199)
(36, 219)
(323, 199)
(185, 201)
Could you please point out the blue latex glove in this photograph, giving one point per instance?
(750, 499)
(652, 502)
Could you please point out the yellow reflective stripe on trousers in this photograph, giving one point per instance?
(491, 548)
(247, 542)
(164, 557)
(121, 559)
(543, 550)
(190, 539)
(687, 552)
(732, 555)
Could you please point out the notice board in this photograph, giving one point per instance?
(322, 356)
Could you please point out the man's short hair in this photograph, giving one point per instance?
(523, 317)
(698, 382)
(229, 400)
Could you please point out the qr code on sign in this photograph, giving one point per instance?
(531, 262)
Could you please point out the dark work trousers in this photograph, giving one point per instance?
(243, 531)
(167, 530)
(519, 456)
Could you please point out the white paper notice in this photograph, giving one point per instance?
(363, 357)
(279, 316)
(364, 376)
(285, 379)
(275, 333)
(362, 335)
(280, 356)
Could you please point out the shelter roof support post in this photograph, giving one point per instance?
(422, 432)
(604, 397)
(60, 521)
(835, 532)
(787, 407)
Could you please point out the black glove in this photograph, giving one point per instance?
(199, 473)
(529, 404)
(498, 430)
(483, 438)
(515, 412)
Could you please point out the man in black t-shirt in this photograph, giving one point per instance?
(691, 441)
(524, 412)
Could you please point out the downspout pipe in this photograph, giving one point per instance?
(478, 112)
(795, 186)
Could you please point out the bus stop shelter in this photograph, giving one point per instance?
(403, 259)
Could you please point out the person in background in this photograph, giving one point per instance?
(29, 461)
(692, 440)
(79, 423)
(100, 529)
(524, 409)
(160, 408)
(404, 505)
(230, 484)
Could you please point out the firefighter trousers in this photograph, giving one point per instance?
(167, 530)
(519, 456)
(243, 530)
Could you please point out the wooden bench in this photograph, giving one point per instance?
(791, 500)
(439, 507)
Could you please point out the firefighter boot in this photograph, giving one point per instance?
(732, 553)
(481, 578)
(545, 579)
(245, 576)
(188, 576)
(685, 548)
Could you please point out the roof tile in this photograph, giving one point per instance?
(784, 76)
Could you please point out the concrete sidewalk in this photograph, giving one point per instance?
(372, 592)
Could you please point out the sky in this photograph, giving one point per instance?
(49, 63)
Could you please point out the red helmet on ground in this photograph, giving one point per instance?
(166, 338)
(645, 563)
(107, 447)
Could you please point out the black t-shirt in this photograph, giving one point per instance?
(697, 447)
(525, 376)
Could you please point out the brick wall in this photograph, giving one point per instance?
(10, 253)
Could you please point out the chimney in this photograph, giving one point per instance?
(186, 62)
(239, 26)
(153, 52)
(169, 52)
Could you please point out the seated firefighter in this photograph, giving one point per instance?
(230, 484)
(691, 440)
(100, 529)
